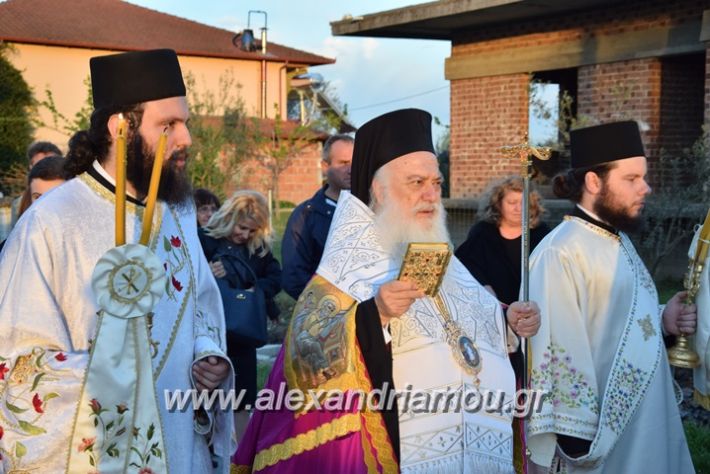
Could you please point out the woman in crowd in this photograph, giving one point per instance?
(239, 235)
(206, 204)
(492, 253)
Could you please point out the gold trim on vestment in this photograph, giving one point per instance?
(191, 287)
(92, 348)
(374, 424)
(307, 441)
(594, 228)
(320, 339)
(324, 313)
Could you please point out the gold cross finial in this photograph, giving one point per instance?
(523, 151)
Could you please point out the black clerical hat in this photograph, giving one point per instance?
(135, 77)
(383, 139)
(592, 146)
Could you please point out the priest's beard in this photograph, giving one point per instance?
(397, 227)
(174, 188)
(618, 215)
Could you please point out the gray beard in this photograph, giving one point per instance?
(395, 229)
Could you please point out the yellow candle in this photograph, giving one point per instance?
(153, 188)
(121, 180)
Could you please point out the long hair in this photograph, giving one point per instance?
(570, 184)
(93, 144)
(493, 200)
(243, 205)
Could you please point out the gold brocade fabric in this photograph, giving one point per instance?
(307, 441)
(321, 338)
(321, 353)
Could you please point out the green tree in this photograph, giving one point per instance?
(17, 109)
(274, 148)
(221, 134)
(60, 122)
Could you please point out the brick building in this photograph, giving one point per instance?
(640, 59)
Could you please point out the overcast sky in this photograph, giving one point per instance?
(371, 75)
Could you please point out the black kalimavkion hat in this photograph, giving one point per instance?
(131, 78)
(383, 139)
(592, 146)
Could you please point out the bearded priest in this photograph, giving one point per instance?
(85, 362)
(599, 354)
(356, 328)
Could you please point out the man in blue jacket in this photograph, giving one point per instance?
(307, 228)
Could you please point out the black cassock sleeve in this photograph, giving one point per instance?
(378, 360)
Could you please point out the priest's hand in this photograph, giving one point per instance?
(394, 298)
(209, 372)
(678, 317)
(524, 318)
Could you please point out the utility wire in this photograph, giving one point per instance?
(399, 100)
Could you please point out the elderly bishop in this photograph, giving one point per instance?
(357, 327)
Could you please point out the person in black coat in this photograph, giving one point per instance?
(239, 234)
(491, 252)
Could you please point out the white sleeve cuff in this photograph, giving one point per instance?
(386, 333)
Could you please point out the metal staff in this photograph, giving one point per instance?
(524, 152)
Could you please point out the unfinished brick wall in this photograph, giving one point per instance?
(485, 113)
(624, 16)
(611, 91)
(622, 91)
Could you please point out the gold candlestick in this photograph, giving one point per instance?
(121, 180)
(153, 188)
(682, 354)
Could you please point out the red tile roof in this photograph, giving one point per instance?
(122, 26)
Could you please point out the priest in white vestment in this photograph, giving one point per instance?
(356, 298)
(82, 385)
(599, 353)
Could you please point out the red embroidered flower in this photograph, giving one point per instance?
(146, 470)
(37, 403)
(60, 357)
(175, 242)
(3, 371)
(95, 406)
(2, 432)
(86, 444)
(177, 284)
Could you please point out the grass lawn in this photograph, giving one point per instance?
(699, 443)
